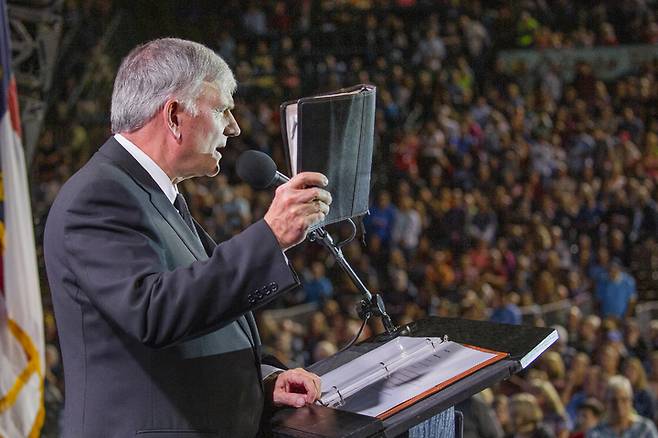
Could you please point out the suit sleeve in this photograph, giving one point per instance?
(119, 260)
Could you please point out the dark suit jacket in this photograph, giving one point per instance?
(155, 329)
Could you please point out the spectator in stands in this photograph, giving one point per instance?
(479, 418)
(609, 355)
(381, 220)
(588, 334)
(500, 405)
(555, 417)
(644, 400)
(589, 415)
(254, 19)
(526, 28)
(615, 291)
(620, 419)
(653, 375)
(484, 224)
(407, 227)
(634, 342)
(527, 417)
(323, 350)
(552, 363)
(653, 335)
(574, 380)
(317, 286)
(594, 383)
(505, 309)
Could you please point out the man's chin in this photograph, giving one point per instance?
(214, 172)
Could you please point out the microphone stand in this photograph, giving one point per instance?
(370, 304)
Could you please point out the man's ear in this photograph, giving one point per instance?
(171, 113)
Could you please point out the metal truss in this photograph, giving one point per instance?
(35, 30)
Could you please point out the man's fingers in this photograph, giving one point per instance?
(308, 179)
(314, 380)
(315, 194)
(289, 399)
(315, 207)
(300, 379)
(314, 219)
(318, 383)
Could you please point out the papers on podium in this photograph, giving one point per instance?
(401, 372)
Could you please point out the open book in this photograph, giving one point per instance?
(333, 134)
(400, 372)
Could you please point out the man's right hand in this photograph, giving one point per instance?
(297, 205)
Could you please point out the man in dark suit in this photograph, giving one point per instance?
(154, 318)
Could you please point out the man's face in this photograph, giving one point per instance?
(206, 133)
(620, 404)
(587, 419)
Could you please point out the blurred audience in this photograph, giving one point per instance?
(518, 198)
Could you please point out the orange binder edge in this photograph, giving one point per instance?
(498, 356)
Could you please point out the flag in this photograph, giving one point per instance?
(21, 317)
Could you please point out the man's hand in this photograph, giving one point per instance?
(297, 205)
(296, 388)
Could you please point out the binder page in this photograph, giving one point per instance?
(291, 128)
(445, 362)
(375, 365)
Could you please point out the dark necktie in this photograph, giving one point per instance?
(181, 206)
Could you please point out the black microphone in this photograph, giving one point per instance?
(259, 171)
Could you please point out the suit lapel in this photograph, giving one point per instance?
(115, 152)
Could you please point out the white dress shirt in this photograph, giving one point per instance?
(150, 166)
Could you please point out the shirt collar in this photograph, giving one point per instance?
(158, 175)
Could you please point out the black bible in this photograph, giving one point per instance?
(333, 133)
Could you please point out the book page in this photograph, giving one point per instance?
(343, 93)
(427, 370)
(291, 128)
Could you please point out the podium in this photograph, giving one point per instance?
(523, 343)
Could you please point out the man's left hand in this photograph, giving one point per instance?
(296, 387)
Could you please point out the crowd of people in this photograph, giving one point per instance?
(492, 194)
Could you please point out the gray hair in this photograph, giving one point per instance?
(160, 70)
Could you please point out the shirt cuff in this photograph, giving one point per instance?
(268, 370)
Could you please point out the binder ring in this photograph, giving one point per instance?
(431, 343)
(388, 373)
(340, 396)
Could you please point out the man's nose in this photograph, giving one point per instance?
(232, 129)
